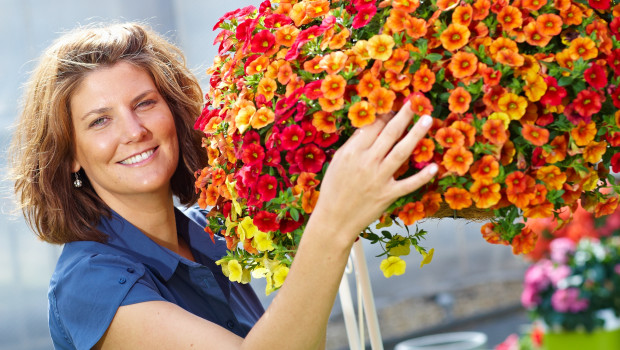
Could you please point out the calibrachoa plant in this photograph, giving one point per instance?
(523, 94)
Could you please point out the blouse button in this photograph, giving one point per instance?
(122, 280)
(130, 270)
(230, 324)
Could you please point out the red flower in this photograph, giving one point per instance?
(309, 132)
(267, 187)
(252, 154)
(313, 90)
(599, 4)
(310, 158)
(292, 136)
(554, 94)
(596, 76)
(272, 157)
(613, 60)
(615, 163)
(325, 140)
(277, 21)
(615, 97)
(287, 224)
(266, 221)
(587, 103)
(364, 15)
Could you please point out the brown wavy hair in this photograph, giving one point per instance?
(42, 148)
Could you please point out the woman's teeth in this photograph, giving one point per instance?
(138, 158)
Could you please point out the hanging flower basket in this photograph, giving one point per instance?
(524, 98)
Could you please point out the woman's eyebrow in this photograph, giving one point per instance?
(102, 110)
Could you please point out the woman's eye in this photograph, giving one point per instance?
(145, 103)
(98, 122)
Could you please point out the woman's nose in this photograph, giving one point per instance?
(133, 127)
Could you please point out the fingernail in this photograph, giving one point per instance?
(426, 120)
(432, 169)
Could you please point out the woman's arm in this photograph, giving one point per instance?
(358, 186)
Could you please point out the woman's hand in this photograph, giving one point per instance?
(359, 183)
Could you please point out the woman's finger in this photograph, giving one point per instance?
(414, 182)
(401, 152)
(393, 131)
(365, 136)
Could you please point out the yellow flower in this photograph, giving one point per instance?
(501, 116)
(246, 229)
(380, 47)
(513, 105)
(427, 257)
(403, 247)
(243, 118)
(393, 265)
(536, 87)
(279, 275)
(230, 186)
(235, 271)
(224, 264)
(262, 241)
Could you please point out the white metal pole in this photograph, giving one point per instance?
(361, 273)
(348, 312)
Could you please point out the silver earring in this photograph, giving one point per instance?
(77, 183)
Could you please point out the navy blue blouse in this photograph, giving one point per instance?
(92, 280)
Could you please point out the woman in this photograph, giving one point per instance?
(105, 142)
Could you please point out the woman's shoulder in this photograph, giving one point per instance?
(90, 279)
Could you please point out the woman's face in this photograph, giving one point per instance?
(125, 137)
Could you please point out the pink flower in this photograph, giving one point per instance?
(511, 343)
(536, 275)
(617, 269)
(567, 300)
(561, 248)
(530, 297)
(364, 15)
(558, 273)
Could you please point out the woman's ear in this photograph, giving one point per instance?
(75, 166)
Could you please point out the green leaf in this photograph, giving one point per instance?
(294, 214)
(565, 81)
(434, 57)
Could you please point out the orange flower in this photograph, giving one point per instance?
(458, 160)
(494, 131)
(533, 5)
(317, 8)
(562, 5)
(286, 35)
(510, 18)
(212, 194)
(535, 88)
(500, 44)
(463, 64)
(308, 200)
(467, 129)
(412, 212)
(524, 242)
(454, 37)
(481, 9)
(314, 65)
(444, 5)
(285, 73)
(415, 28)
(549, 24)
(521, 199)
(367, 84)
(333, 62)
(257, 66)
(424, 151)
(398, 82)
(331, 105)
(540, 195)
(537, 136)
(513, 105)
(606, 207)
(551, 176)
(431, 201)
(534, 36)
(294, 84)
(485, 193)
(565, 60)
(382, 99)
(263, 117)
(539, 211)
(572, 16)
(584, 48)
(450, 137)
(324, 121)
(339, 40)
(490, 235)
(457, 198)
(423, 79)
(361, 113)
(396, 63)
(397, 20)
(459, 100)
(517, 181)
(406, 5)
(584, 133)
(420, 104)
(558, 150)
(509, 58)
(380, 47)
(507, 153)
(298, 14)
(485, 168)
(491, 76)
(594, 151)
(492, 95)
(462, 15)
(267, 87)
(333, 86)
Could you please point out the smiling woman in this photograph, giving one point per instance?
(106, 140)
